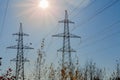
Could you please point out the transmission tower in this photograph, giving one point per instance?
(40, 62)
(66, 49)
(20, 60)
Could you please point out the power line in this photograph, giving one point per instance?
(102, 31)
(104, 49)
(99, 11)
(94, 42)
(108, 28)
(81, 10)
(4, 18)
(77, 6)
(86, 7)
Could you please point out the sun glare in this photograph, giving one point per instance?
(43, 4)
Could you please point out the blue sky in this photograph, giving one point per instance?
(98, 27)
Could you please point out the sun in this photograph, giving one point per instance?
(43, 4)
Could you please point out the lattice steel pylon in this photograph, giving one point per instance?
(20, 60)
(66, 49)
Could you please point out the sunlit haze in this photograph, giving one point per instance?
(97, 22)
(43, 4)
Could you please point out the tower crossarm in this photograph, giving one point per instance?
(25, 60)
(27, 47)
(63, 35)
(66, 21)
(74, 36)
(21, 34)
(16, 47)
(14, 59)
(67, 50)
(12, 47)
(58, 35)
